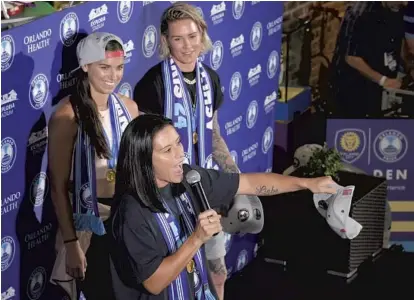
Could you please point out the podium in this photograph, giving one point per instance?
(297, 237)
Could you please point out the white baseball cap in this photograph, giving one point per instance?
(335, 209)
(92, 48)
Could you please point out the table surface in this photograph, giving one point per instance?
(389, 277)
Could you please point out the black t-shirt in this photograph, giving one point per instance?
(149, 93)
(137, 243)
(375, 33)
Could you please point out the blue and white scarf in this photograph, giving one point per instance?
(174, 237)
(178, 107)
(84, 200)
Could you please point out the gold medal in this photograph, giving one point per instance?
(191, 266)
(195, 138)
(110, 175)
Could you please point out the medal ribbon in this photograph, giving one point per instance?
(116, 133)
(174, 235)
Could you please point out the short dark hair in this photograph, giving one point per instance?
(134, 171)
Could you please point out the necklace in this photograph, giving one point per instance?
(102, 113)
(188, 81)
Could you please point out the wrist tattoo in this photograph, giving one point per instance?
(266, 191)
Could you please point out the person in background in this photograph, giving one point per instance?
(83, 143)
(364, 61)
(194, 110)
(158, 229)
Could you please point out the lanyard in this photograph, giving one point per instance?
(115, 139)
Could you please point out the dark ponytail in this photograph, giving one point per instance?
(86, 110)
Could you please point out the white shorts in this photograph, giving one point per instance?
(216, 247)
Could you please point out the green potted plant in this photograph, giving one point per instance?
(324, 162)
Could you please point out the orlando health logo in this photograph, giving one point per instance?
(69, 28)
(267, 140)
(8, 249)
(216, 56)
(8, 154)
(235, 86)
(36, 283)
(251, 114)
(7, 52)
(125, 9)
(238, 9)
(149, 41)
(256, 35)
(38, 91)
(200, 11)
(272, 64)
(234, 156)
(39, 189)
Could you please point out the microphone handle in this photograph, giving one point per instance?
(202, 195)
(203, 198)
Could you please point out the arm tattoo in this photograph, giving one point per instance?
(221, 152)
(217, 267)
(266, 191)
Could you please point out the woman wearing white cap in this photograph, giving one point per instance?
(84, 135)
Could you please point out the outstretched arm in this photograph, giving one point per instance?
(268, 184)
(221, 153)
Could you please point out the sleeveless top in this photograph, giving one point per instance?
(101, 164)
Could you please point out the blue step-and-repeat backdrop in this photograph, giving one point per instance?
(36, 60)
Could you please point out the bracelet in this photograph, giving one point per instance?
(70, 241)
(382, 80)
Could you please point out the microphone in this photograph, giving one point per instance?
(194, 180)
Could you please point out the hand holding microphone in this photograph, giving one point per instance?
(208, 224)
(208, 218)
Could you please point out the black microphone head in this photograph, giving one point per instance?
(193, 177)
